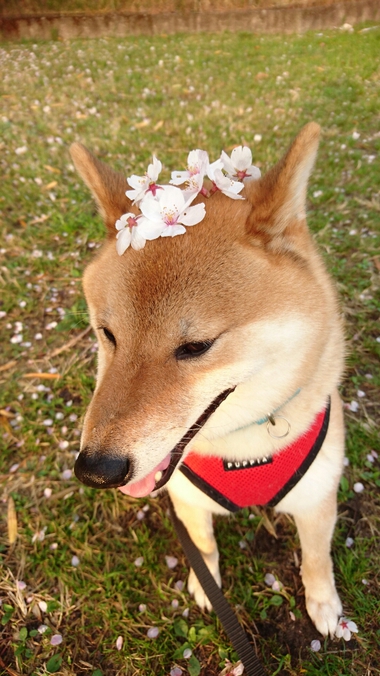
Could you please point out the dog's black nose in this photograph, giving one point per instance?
(101, 470)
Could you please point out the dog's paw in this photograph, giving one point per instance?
(195, 589)
(325, 614)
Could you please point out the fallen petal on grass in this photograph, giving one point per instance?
(153, 632)
(56, 639)
(139, 561)
(171, 561)
(269, 579)
(345, 629)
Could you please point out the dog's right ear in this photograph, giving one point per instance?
(107, 186)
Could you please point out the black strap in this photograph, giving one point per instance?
(237, 636)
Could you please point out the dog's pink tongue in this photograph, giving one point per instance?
(142, 488)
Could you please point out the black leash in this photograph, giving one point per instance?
(236, 634)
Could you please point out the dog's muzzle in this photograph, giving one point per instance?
(105, 469)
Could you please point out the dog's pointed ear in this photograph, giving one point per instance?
(278, 199)
(107, 186)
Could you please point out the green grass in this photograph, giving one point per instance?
(126, 99)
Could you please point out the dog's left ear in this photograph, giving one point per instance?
(277, 219)
(107, 186)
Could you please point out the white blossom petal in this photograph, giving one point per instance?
(56, 639)
(171, 561)
(173, 230)
(241, 158)
(179, 177)
(153, 632)
(154, 169)
(193, 215)
(124, 238)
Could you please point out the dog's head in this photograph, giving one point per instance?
(185, 320)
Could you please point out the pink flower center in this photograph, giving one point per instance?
(193, 170)
(242, 174)
(131, 222)
(171, 218)
(153, 187)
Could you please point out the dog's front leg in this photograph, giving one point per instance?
(198, 522)
(315, 531)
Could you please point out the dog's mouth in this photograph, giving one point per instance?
(161, 474)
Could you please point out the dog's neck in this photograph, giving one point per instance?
(269, 417)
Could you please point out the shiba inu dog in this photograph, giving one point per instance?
(220, 353)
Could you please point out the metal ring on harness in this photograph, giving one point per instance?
(272, 422)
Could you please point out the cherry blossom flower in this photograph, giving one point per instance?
(42, 628)
(40, 535)
(179, 585)
(144, 184)
(358, 487)
(230, 670)
(128, 234)
(187, 653)
(197, 165)
(119, 643)
(142, 608)
(345, 628)
(315, 645)
(42, 606)
(226, 185)
(239, 165)
(166, 214)
(75, 561)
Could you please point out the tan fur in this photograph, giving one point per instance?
(250, 276)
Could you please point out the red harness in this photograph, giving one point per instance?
(265, 481)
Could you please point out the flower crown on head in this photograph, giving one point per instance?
(165, 210)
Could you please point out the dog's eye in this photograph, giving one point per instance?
(109, 335)
(191, 350)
